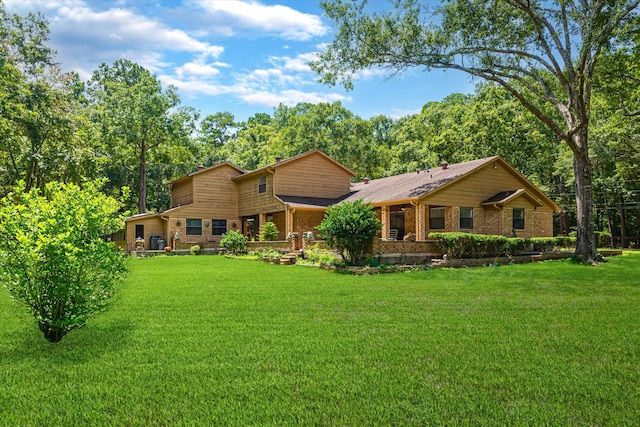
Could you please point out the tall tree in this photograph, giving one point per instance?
(38, 108)
(135, 116)
(542, 52)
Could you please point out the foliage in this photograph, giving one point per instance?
(467, 245)
(41, 123)
(349, 227)
(269, 232)
(315, 255)
(234, 241)
(137, 118)
(54, 256)
(195, 250)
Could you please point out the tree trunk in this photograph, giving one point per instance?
(564, 216)
(585, 245)
(142, 186)
(607, 212)
(623, 224)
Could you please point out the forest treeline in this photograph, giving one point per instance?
(124, 125)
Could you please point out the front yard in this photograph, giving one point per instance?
(217, 341)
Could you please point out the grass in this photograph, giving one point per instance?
(216, 341)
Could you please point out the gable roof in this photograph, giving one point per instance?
(410, 186)
(273, 166)
(204, 170)
(506, 196)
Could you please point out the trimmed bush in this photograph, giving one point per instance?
(234, 241)
(467, 245)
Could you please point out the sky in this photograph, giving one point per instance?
(240, 56)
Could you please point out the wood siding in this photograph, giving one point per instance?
(153, 226)
(312, 176)
(250, 202)
(471, 190)
(182, 193)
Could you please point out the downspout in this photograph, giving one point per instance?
(167, 238)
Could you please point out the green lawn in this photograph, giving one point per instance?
(214, 341)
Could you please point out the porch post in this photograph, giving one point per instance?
(421, 225)
(384, 218)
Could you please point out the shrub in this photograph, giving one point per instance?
(603, 239)
(467, 245)
(269, 232)
(350, 227)
(53, 255)
(234, 241)
(195, 250)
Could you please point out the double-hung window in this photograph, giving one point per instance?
(218, 227)
(518, 218)
(262, 184)
(466, 218)
(436, 218)
(194, 227)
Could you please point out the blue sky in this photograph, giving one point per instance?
(244, 57)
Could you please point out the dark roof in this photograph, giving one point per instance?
(500, 197)
(310, 202)
(412, 185)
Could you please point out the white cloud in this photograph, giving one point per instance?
(289, 97)
(233, 16)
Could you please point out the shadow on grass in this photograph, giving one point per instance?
(97, 339)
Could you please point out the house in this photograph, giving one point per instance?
(485, 196)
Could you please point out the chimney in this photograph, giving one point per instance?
(366, 180)
(444, 165)
(200, 167)
(278, 158)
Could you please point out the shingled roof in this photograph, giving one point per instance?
(412, 185)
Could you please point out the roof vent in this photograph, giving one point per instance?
(366, 180)
(418, 171)
(278, 158)
(444, 165)
(200, 167)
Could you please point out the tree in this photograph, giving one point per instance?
(135, 116)
(542, 52)
(39, 109)
(54, 256)
(268, 232)
(349, 227)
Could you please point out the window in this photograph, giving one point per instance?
(194, 227)
(518, 219)
(139, 231)
(466, 218)
(436, 218)
(218, 226)
(262, 184)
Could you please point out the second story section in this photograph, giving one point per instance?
(211, 185)
(312, 175)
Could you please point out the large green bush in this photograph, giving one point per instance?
(269, 232)
(349, 227)
(234, 241)
(54, 256)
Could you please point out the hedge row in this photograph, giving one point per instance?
(466, 245)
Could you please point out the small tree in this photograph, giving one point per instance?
(54, 256)
(269, 232)
(234, 241)
(349, 227)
